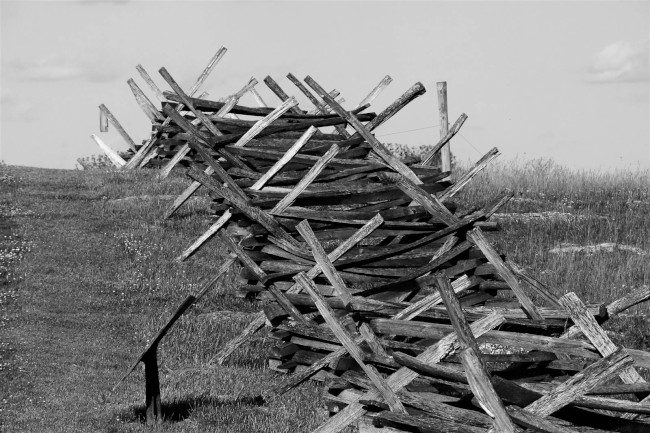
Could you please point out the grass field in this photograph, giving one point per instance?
(87, 276)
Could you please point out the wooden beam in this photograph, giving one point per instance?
(376, 91)
(467, 177)
(419, 307)
(428, 201)
(145, 104)
(152, 85)
(308, 178)
(275, 88)
(259, 320)
(350, 345)
(118, 126)
(404, 376)
(316, 103)
(266, 121)
(477, 375)
(207, 70)
(114, 157)
(478, 238)
(427, 158)
(325, 264)
(254, 213)
(258, 98)
(188, 103)
(581, 383)
(598, 337)
(379, 148)
(219, 171)
(445, 152)
(293, 150)
(185, 195)
(141, 155)
(615, 308)
(214, 228)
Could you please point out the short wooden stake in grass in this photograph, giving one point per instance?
(149, 357)
(152, 387)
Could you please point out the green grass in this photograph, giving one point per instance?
(87, 279)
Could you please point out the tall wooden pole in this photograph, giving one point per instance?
(445, 152)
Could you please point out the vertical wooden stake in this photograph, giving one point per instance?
(152, 387)
(445, 152)
(103, 122)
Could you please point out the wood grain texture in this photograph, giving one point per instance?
(376, 91)
(254, 213)
(599, 338)
(616, 307)
(404, 376)
(145, 104)
(475, 370)
(443, 121)
(188, 103)
(293, 150)
(467, 177)
(581, 383)
(308, 178)
(275, 88)
(259, 319)
(379, 148)
(427, 201)
(324, 262)
(479, 239)
(266, 121)
(427, 158)
(350, 345)
(152, 85)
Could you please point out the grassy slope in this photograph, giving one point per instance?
(98, 279)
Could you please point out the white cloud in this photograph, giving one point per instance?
(621, 61)
(55, 67)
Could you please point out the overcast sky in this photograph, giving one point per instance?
(566, 80)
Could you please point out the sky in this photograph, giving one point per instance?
(566, 80)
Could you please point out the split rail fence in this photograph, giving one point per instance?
(373, 281)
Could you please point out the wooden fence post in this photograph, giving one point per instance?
(152, 387)
(445, 152)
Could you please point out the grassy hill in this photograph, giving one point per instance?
(87, 276)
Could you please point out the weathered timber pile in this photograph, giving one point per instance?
(376, 284)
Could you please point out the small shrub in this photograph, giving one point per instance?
(94, 162)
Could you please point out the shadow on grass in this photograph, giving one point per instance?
(182, 409)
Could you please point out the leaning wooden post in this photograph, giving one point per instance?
(445, 152)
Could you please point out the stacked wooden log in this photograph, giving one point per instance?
(377, 284)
